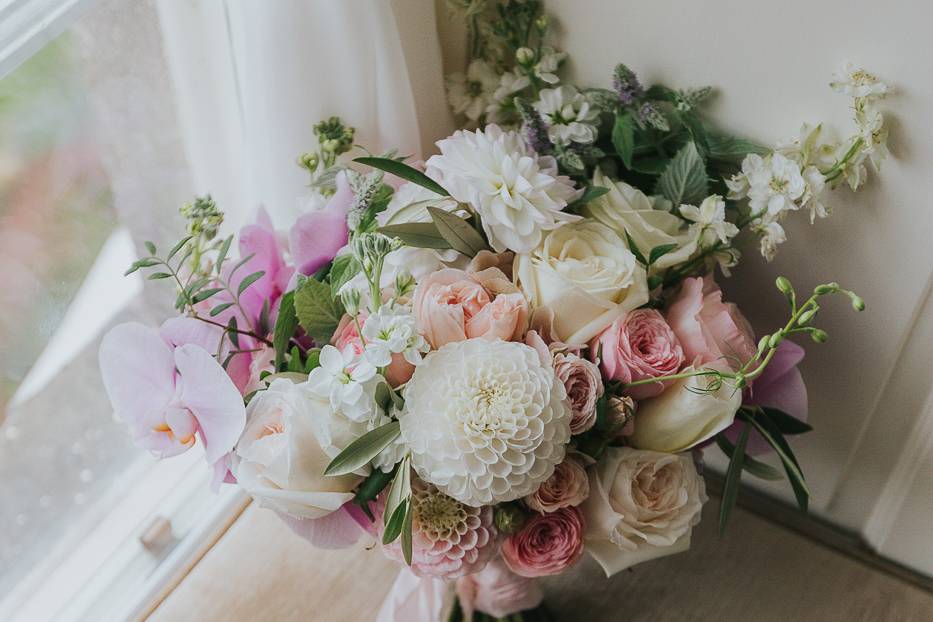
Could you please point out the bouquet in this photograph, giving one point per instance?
(513, 353)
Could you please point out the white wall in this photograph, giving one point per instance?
(772, 62)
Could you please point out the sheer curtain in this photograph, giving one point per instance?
(253, 77)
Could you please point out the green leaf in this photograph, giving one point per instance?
(459, 234)
(406, 172)
(400, 491)
(417, 234)
(695, 128)
(313, 360)
(590, 193)
(240, 264)
(755, 467)
(181, 243)
(358, 453)
(395, 522)
(417, 211)
(788, 459)
(787, 424)
(204, 294)
(294, 364)
(141, 263)
(249, 280)
(406, 534)
(220, 309)
(660, 251)
(285, 325)
(222, 253)
(373, 485)
(731, 149)
(150, 247)
(343, 270)
(623, 138)
(730, 488)
(650, 165)
(155, 276)
(684, 179)
(318, 312)
(635, 250)
(232, 333)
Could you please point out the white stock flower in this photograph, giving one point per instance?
(569, 116)
(643, 505)
(710, 220)
(393, 330)
(546, 68)
(469, 94)
(281, 455)
(858, 83)
(347, 380)
(874, 136)
(486, 422)
(518, 193)
(772, 183)
(510, 83)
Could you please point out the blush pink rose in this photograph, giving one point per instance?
(584, 387)
(637, 346)
(497, 591)
(399, 370)
(568, 486)
(708, 328)
(453, 305)
(547, 544)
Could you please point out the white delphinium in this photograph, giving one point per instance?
(874, 136)
(569, 116)
(770, 233)
(470, 93)
(773, 184)
(510, 83)
(348, 380)
(709, 221)
(518, 193)
(546, 67)
(486, 422)
(393, 330)
(858, 83)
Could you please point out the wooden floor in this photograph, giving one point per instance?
(259, 571)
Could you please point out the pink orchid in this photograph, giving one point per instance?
(167, 392)
(316, 236)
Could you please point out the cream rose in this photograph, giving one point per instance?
(625, 209)
(586, 275)
(279, 459)
(685, 414)
(642, 505)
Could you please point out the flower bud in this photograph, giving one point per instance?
(828, 288)
(524, 56)
(330, 145)
(857, 303)
(784, 286)
(775, 339)
(819, 336)
(309, 161)
(619, 416)
(542, 23)
(351, 300)
(509, 518)
(807, 316)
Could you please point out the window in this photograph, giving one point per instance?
(91, 164)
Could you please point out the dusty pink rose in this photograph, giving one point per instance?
(497, 591)
(547, 544)
(568, 486)
(584, 387)
(453, 305)
(637, 346)
(708, 328)
(399, 370)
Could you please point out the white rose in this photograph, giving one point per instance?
(586, 275)
(685, 414)
(279, 459)
(625, 209)
(642, 505)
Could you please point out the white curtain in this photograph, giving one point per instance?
(253, 77)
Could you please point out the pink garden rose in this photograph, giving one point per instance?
(708, 328)
(568, 486)
(316, 236)
(547, 544)
(454, 305)
(584, 387)
(347, 334)
(497, 591)
(637, 346)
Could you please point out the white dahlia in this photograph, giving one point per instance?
(449, 539)
(517, 193)
(486, 422)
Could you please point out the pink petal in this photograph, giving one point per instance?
(337, 530)
(139, 375)
(178, 331)
(316, 236)
(212, 398)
